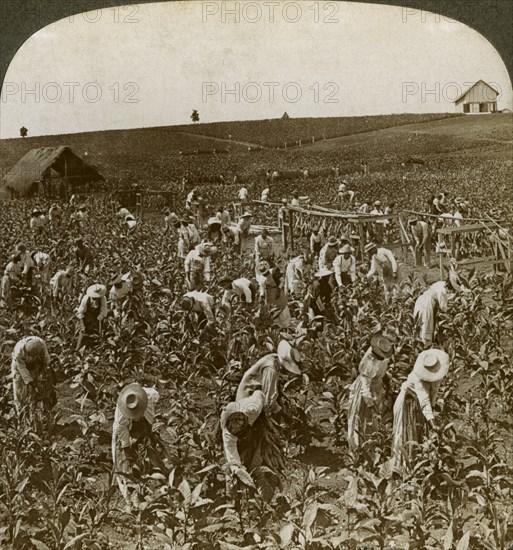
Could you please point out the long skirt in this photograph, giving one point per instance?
(425, 315)
(409, 427)
(196, 280)
(261, 446)
(362, 420)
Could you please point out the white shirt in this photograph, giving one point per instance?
(196, 262)
(60, 283)
(240, 287)
(341, 265)
(243, 193)
(263, 248)
(380, 258)
(203, 302)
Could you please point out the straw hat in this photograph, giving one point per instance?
(381, 346)
(346, 249)
(369, 247)
(133, 401)
(333, 241)
(289, 357)
(96, 291)
(431, 365)
(377, 203)
(214, 221)
(323, 272)
(247, 215)
(247, 406)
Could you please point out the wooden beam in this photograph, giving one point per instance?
(469, 228)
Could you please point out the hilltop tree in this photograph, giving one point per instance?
(195, 116)
(23, 131)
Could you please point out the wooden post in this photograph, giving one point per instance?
(361, 232)
(291, 228)
(440, 253)
(284, 223)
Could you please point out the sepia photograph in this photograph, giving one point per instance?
(256, 275)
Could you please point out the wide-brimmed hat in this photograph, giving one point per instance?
(249, 407)
(323, 272)
(381, 346)
(369, 247)
(289, 357)
(431, 365)
(333, 241)
(214, 221)
(96, 291)
(344, 238)
(133, 401)
(225, 279)
(36, 212)
(247, 215)
(346, 249)
(377, 203)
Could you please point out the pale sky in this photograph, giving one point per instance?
(150, 65)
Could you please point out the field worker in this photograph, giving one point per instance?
(328, 253)
(11, 279)
(413, 408)
(315, 241)
(90, 314)
(384, 265)
(194, 236)
(364, 207)
(295, 199)
(61, 282)
(320, 292)
(130, 223)
(294, 275)
(120, 287)
(200, 303)
(197, 266)
(264, 197)
(275, 175)
(264, 248)
(223, 216)
(244, 289)
(41, 263)
(344, 266)
(244, 226)
(191, 197)
(243, 195)
(421, 234)
(232, 236)
(270, 291)
(184, 244)
(432, 301)
(55, 215)
(37, 222)
(214, 229)
(378, 227)
(83, 256)
(82, 215)
(135, 448)
(171, 222)
(123, 213)
(366, 393)
(250, 435)
(32, 375)
(389, 210)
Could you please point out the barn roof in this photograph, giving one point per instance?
(32, 166)
(471, 87)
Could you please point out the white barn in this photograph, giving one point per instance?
(479, 98)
